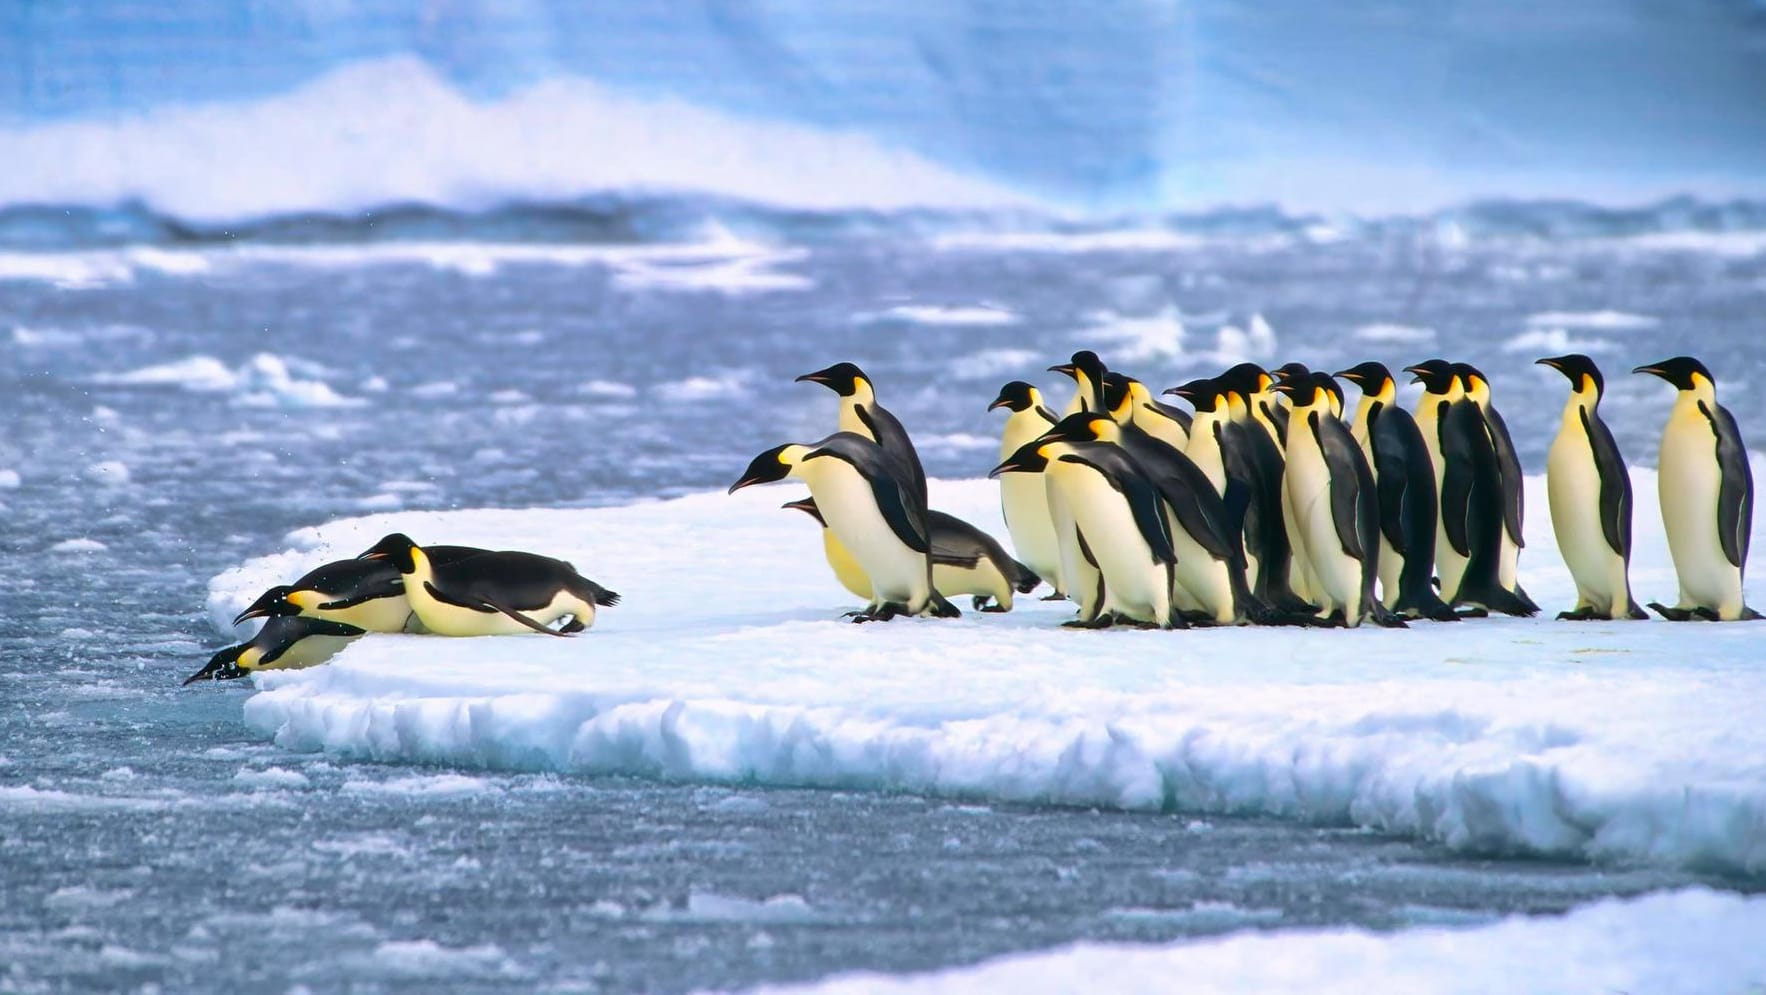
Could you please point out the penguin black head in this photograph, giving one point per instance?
(807, 506)
(1290, 371)
(765, 468)
(271, 603)
(1247, 379)
(1028, 459)
(223, 666)
(1683, 372)
(1017, 396)
(397, 548)
(1115, 390)
(1436, 375)
(1576, 367)
(1370, 376)
(844, 379)
(1084, 361)
(1203, 394)
(1305, 390)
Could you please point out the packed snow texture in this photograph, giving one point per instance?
(1688, 941)
(726, 660)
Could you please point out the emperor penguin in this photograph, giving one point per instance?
(861, 415)
(1118, 517)
(1440, 389)
(503, 592)
(965, 560)
(1707, 491)
(286, 642)
(1276, 571)
(1025, 497)
(1404, 480)
(1262, 400)
(1203, 527)
(1470, 562)
(1129, 402)
(1330, 489)
(1508, 463)
(368, 594)
(1088, 372)
(1589, 491)
(867, 500)
(1299, 372)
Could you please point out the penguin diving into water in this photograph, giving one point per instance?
(1589, 491)
(865, 498)
(1707, 493)
(368, 594)
(504, 592)
(286, 642)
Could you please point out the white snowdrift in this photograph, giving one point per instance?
(726, 661)
(1687, 941)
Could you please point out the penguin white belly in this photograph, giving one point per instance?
(1336, 576)
(443, 619)
(378, 615)
(1572, 489)
(1391, 570)
(1206, 580)
(1204, 451)
(309, 652)
(1079, 578)
(1690, 481)
(1135, 582)
(846, 569)
(897, 573)
(1024, 497)
(1300, 579)
(981, 580)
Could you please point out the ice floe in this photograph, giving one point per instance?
(264, 381)
(1688, 941)
(726, 662)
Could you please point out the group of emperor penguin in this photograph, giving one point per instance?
(399, 586)
(1272, 503)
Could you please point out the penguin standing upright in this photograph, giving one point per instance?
(1508, 464)
(1118, 515)
(860, 414)
(1589, 491)
(1440, 389)
(1131, 403)
(504, 592)
(1262, 401)
(1472, 513)
(1707, 491)
(1404, 479)
(1331, 492)
(286, 642)
(866, 498)
(1024, 498)
(1088, 373)
(1252, 455)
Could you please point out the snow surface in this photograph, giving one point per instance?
(1694, 940)
(726, 661)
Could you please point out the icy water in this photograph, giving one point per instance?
(172, 411)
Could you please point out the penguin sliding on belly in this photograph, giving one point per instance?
(286, 642)
(368, 594)
(1117, 513)
(504, 592)
(1330, 490)
(1707, 492)
(1404, 479)
(965, 560)
(867, 500)
(1589, 491)
(1024, 498)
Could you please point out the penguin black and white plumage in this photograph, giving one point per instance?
(1330, 489)
(1472, 513)
(1129, 402)
(286, 642)
(1300, 372)
(867, 500)
(1088, 373)
(1203, 526)
(1440, 389)
(862, 415)
(1024, 498)
(1508, 464)
(368, 594)
(1118, 515)
(500, 592)
(1263, 402)
(1589, 491)
(965, 560)
(1404, 478)
(1707, 493)
(1251, 454)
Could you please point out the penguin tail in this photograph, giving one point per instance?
(1749, 615)
(594, 593)
(1635, 613)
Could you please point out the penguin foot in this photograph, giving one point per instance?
(1386, 618)
(1057, 596)
(1671, 614)
(574, 625)
(1749, 615)
(981, 605)
(1101, 622)
(1526, 600)
(939, 607)
(1635, 613)
(1474, 612)
(1141, 623)
(1707, 614)
(1583, 614)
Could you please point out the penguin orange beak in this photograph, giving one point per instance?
(1285, 387)
(1652, 370)
(1065, 369)
(1349, 375)
(1552, 362)
(744, 482)
(816, 377)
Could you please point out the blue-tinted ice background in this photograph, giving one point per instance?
(268, 266)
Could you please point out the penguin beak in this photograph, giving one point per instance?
(816, 377)
(1652, 370)
(1349, 375)
(1284, 388)
(744, 482)
(1065, 369)
(221, 667)
(1009, 466)
(263, 607)
(999, 402)
(1179, 392)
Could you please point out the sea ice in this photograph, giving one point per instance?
(726, 661)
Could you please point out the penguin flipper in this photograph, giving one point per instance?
(1509, 467)
(1735, 494)
(1340, 450)
(1615, 485)
(481, 604)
